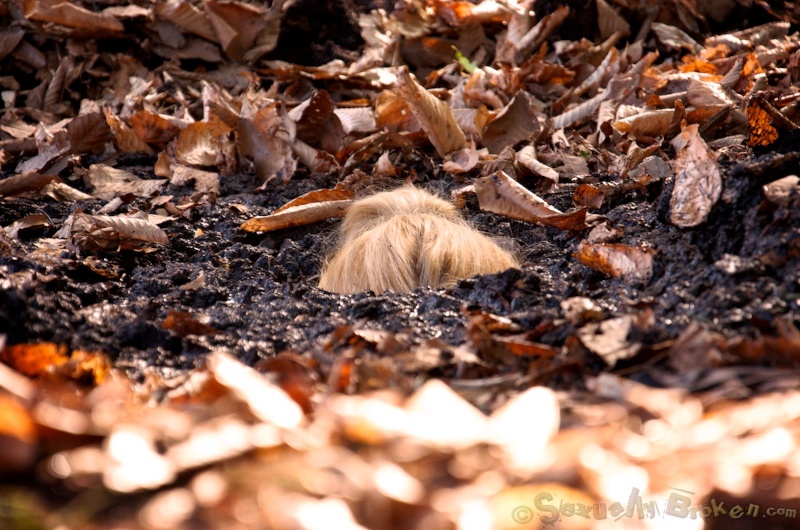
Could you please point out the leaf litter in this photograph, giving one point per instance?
(167, 195)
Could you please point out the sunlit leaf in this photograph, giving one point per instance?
(698, 183)
(433, 114)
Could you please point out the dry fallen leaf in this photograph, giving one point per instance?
(617, 260)
(301, 215)
(609, 339)
(433, 114)
(501, 194)
(698, 183)
(104, 232)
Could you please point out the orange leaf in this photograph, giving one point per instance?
(34, 360)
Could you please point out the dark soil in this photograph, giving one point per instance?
(260, 291)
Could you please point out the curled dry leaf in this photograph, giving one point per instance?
(201, 142)
(461, 161)
(501, 194)
(25, 183)
(617, 260)
(648, 123)
(104, 232)
(301, 215)
(108, 182)
(72, 16)
(698, 183)
(433, 114)
(515, 123)
(526, 161)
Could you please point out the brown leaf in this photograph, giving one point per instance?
(501, 194)
(200, 142)
(104, 232)
(261, 135)
(187, 17)
(698, 183)
(617, 260)
(34, 360)
(24, 183)
(648, 123)
(152, 128)
(203, 180)
(515, 123)
(316, 196)
(88, 133)
(125, 139)
(183, 324)
(108, 182)
(236, 24)
(433, 114)
(298, 216)
(317, 124)
(72, 16)
(18, 437)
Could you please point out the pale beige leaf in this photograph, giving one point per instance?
(617, 260)
(302, 215)
(266, 401)
(698, 183)
(357, 120)
(526, 161)
(675, 38)
(108, 182)
(648, 123)
(433, 114)
(707, 94)
(609, 339)
(780, 191)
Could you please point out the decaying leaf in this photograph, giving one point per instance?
(501, 194)
(433, 114)
(698, 183)
(617, 260)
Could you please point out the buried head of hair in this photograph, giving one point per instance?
(407, 238)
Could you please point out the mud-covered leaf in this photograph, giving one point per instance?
(698, 183)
